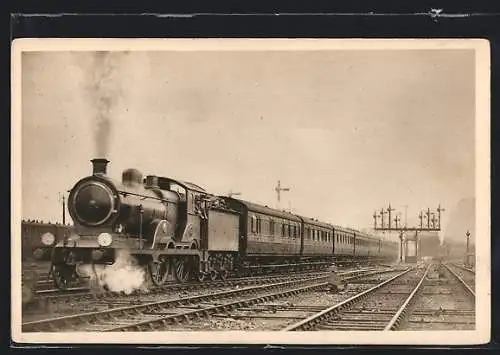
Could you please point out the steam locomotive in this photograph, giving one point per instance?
(177, 228)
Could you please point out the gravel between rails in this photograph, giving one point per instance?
(116, 315)
(62, 304)
(443, 304)
(372, 310)
(276, 313)
(468, 275)
(107, 319)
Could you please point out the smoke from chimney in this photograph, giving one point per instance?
(103, 89)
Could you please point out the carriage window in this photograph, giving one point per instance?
(253, 224)
(283, 230)
(271, 226)
(295, 231)
(259, 225)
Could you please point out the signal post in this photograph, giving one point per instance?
(408, 235)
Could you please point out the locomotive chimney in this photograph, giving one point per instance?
(99, 165)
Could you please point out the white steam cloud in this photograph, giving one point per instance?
(125, 275)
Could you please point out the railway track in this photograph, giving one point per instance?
(380, 307)
(85, 293)
(149, 315)
(276, 312)
(465, 275)
(446, 302)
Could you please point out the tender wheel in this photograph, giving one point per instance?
(62, 275)
(159, 270)
(201, 276)
(223, 274)
(212, 275)
(182, 269)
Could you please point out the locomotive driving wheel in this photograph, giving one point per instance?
(159, 271)
(182, 269)
(63, 275)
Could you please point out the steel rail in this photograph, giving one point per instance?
(65, 321)
(151, 324)
(396, 320)
(53, 324)
(464, 268)
(461, 281)
(55, 295)
(310, 322)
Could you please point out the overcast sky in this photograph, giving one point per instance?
(347, 131)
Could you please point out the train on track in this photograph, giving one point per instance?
(177, 228)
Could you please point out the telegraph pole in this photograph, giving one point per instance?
(278, 190)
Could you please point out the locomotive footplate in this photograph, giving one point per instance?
(177, 252)
(73, 256)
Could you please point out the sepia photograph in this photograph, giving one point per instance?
(195, 191)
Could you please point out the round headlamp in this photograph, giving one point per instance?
(104, 239)
(48, 239)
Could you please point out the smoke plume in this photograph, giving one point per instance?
(103, 88)
(125, 275)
